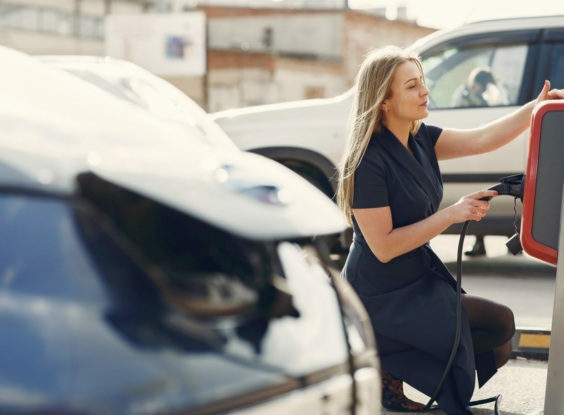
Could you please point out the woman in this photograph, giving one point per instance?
(390, 188)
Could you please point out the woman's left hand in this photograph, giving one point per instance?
(547, 94)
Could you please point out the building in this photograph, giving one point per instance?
(257, 52)
(258, 56)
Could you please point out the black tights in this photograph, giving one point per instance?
(492, 326)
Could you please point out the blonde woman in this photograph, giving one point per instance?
(390, 188)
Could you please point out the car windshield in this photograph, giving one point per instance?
(144, 89)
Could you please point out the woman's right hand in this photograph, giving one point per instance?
(546, 93)
(471, 207)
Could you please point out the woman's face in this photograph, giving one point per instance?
(409, 95)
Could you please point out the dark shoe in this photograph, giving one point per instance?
(393, 398)
(479, 248)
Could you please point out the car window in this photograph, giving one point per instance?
(461, 77)
(164, 101)
(150, 92)
(557, 66)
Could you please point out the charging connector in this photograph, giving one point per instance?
(511, 186)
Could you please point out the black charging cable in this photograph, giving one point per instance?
(510, 185)
(446, 372)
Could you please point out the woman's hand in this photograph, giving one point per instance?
(547, 94)
(471, 207)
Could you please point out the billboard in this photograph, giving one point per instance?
(165, 44)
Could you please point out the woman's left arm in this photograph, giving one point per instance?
(455, 143)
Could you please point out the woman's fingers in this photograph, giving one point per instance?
(484, 194)
(556, 94)
(477, 204)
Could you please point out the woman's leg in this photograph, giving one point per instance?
(492, 325)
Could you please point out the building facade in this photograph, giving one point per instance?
(261, 56)
(255, 55)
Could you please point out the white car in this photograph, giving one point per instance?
(144, 271)
(308, 136)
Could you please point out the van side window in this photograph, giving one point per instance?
(557, 67)
(475, 76)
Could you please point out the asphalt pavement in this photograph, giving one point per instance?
(521, 384)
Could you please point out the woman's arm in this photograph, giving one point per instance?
(455, 143)
(387, 243)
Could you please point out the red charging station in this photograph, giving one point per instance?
(542, 227)
(540, 221)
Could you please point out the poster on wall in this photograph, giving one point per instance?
(165, 44)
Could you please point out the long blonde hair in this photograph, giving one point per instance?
(372, 87)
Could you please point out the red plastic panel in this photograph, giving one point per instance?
(532, 245)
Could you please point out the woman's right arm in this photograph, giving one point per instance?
(386, 243)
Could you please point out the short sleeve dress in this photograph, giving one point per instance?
(411, 299)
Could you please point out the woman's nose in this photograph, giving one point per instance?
(424, 90)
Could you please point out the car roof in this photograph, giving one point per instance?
(489, 26)
(53, 126)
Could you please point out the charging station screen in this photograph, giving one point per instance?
(550, 178)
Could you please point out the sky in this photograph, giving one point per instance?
(440, 14)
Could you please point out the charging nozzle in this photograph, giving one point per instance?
(511, 186)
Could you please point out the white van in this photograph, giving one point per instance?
(519, 54)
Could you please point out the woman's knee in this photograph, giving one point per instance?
(503, 325)
(480, 309)
(508, 323)
(502, 354)
(493, 320)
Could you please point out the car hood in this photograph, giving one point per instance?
(246, 194)
(54, 127)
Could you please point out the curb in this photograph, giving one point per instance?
(530, 343)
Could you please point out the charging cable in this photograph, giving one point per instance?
(510, 185)
(446, 372)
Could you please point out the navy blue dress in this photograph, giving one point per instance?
(411, 299)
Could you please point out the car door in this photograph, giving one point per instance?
(510, 58)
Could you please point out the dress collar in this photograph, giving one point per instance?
(418, 164)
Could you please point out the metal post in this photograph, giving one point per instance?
(554, 398)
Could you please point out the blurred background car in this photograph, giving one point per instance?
(143, 272)
(518, 55)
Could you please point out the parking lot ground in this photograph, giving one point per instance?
(521, 384)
